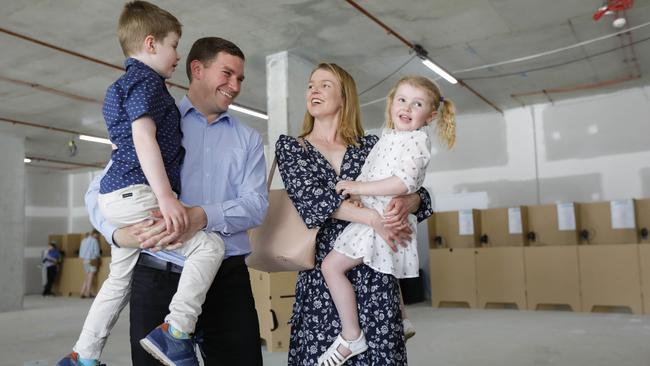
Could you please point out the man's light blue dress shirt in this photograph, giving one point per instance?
(224, 172)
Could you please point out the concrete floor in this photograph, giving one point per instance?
(47, 327)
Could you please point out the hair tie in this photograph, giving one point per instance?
(441, 102)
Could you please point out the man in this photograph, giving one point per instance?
(223, 183)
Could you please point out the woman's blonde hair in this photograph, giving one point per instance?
(349, 126)
(446, 119)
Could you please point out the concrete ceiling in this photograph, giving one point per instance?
(458, 35)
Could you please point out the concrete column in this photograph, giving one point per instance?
(12, 221)
(287, 76)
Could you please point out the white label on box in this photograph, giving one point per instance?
(566, 216)
(465, 222)
(514, 220)
(622, 214)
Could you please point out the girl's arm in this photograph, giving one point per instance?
(391, 186)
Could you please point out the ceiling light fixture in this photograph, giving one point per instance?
(248, 111)
(95, 139)
(423, 55)
(27, 160)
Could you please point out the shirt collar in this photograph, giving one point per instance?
(132, 62)
(186, 107)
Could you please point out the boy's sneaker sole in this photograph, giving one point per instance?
(156, 352)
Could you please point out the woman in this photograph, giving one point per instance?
(335, 148)
(89, 253)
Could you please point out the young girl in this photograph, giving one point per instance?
(395, 166)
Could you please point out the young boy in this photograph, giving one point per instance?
(144, 122)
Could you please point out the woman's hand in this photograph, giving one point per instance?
(348, 187)
(398, 209)
(392, 235)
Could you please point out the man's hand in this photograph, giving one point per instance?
(156, 236)
(174, 214)
(348, 187)
(127, 237)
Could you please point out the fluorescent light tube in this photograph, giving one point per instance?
(250, 112)
(95, 139)
(439, 71)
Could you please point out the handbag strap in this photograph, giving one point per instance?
(301, 141)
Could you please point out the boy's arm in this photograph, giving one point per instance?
(146, 146)
(391, 186)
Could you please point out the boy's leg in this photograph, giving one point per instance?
(122, 207)
(110, 300)
(229, 324)
(334, 268)
(204, 253)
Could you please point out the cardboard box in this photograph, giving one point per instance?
(644, 262)
(68, 243)
(500, 277)
(453, 277)
(552, 276)
(274, 295)
(495, 228)
(104, 247)
(432, 233)
(447, 230)
(543, 228)
(595, 226)
(71, 276)
(642, 210)
(610, 276)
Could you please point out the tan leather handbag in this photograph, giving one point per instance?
(282, 242)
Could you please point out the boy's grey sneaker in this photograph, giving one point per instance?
(169, 350)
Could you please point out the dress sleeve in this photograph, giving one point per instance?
(308, 187)
(413, 159)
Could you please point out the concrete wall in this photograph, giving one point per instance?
(54, 204)
(587, 149)
(12, 221)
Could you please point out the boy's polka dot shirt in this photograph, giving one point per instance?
(141, 91)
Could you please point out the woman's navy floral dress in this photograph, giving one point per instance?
(310, 182)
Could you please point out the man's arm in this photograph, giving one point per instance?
(96, 218)
(249, 208)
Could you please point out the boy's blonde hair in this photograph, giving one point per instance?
(140, 19)
(446, 119)
(349, 127)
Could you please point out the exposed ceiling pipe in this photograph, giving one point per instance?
(75, 164)
(45, 127)
(600, 84)
(95, 60)
(48, 89)
(411, 46)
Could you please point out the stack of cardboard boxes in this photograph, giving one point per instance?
(580, 256)
(71, 275)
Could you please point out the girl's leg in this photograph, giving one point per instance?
(334, 268)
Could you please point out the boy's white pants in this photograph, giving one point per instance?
(204, 253)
